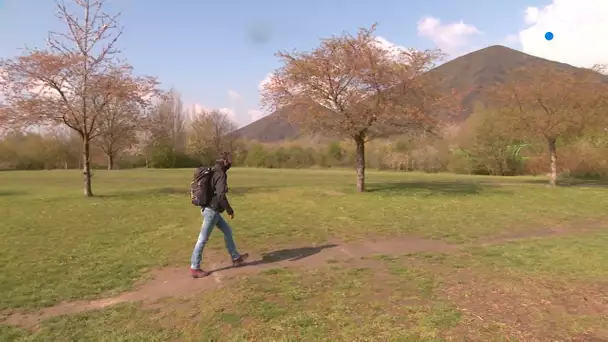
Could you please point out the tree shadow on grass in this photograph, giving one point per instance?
(243, 190)
(9, 193)
(290, 254)
(583, 183)
(180, 191)
(432, 188)
(144, 192)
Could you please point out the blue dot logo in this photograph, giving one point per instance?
(549, 35)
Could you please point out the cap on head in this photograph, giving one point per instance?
(226, 158)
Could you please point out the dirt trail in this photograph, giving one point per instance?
(175, 281)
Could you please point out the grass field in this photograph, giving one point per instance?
(417, 258)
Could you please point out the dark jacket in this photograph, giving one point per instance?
(219, 184)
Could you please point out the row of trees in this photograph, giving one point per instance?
(481, 146)
(79, 88)
(354, 87)
(164, 136)
(350, 87)
(77, 81)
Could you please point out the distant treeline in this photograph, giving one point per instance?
(477, 147)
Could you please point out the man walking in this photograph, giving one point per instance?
(212, 217)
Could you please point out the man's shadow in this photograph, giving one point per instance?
(291, 254)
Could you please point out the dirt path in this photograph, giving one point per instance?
(175, 281)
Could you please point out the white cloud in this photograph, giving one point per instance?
(385, 43)
(451, 37)
(196, 109)
(531, 15)
(230, 112)
(233, 95)
(390, 46)
(264, 81)
(256, 114)
(580, 28)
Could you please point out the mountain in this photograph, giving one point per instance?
(469, 74)
(273, 127)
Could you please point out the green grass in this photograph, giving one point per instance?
(57, 246)
(122, 323)
(326, 304)
(558, 284)
(570, 257)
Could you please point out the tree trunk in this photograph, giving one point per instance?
(360, 157)
(86, 168)
(110, 161)
(553, 162)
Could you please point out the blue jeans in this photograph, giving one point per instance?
(212, 218)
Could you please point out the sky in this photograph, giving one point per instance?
(217, 53)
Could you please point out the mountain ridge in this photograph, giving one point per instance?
(470, 73)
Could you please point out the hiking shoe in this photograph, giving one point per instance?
(240, 261)
(199, 273)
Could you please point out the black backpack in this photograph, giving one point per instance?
(201, 189)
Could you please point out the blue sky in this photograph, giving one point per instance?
(206, 48)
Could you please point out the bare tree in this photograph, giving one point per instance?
(550, 104)
(209, 133)
(601, 68)
(166, 125)
(117, 132)
(123, 116)
(178, 120)
(68, 146)
(353, 86)
(72, 81)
